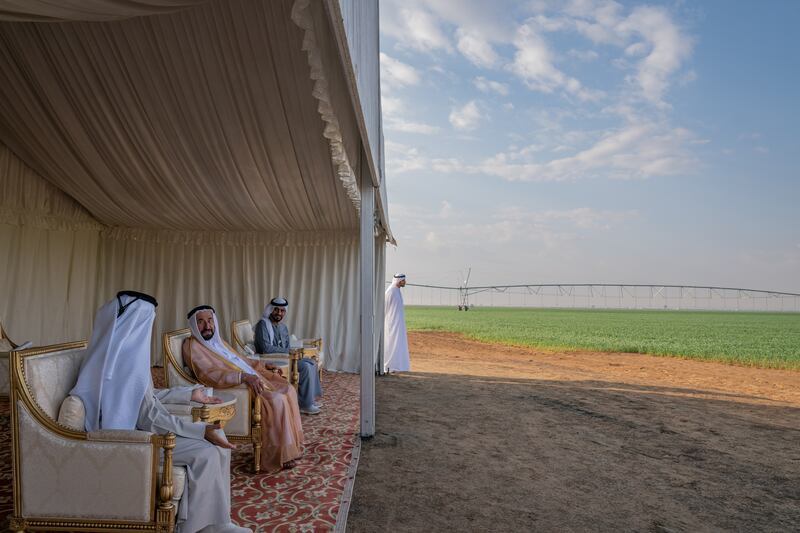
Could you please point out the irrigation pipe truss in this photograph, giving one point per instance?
(561, 286)
(614, 295)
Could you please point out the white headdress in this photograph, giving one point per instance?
(215, 343)
(275, 302)
(397, 278)
(115, 375)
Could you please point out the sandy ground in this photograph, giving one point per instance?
(482, 437)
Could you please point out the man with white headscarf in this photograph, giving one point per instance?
(116, 388)
(272, 336)
(216, 364)
(395, 338)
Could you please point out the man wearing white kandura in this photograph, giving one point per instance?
(395, 339)
(116, 388)
(272, 336)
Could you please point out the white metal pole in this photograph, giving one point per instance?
(367, 298)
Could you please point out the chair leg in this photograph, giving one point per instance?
(255, 433)
(295, 374)
(257, 456)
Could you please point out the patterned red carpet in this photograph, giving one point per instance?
(304, 499)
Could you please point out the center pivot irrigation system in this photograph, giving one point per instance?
(602, 296)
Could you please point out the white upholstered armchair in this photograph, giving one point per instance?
(67, 479)
(245, 426)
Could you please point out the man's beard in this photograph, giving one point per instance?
(207, 334)
(276, 318)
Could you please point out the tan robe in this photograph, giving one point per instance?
(281, 428)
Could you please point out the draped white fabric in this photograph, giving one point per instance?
(53, 278)
(204, 153)
(48, 257)
(65, 10)
(203, 118)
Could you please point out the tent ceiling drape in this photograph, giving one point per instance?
(205, 118)
(72, 10)
(201, 151)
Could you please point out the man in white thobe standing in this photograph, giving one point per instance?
(395, 339)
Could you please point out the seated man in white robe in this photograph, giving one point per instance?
(116, 388)
(272, 336)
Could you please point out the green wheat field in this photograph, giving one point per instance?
(768, 340)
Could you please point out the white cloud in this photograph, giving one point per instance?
(466, 117)
(476, 49)
(633, 152)
(636, 151)
(487, 86)
(391, 105)
(583, 55)
(395, 73)
(668, 49)
(533, 63)
(414, 27)
(401, 158)
(455, 229)
(406, 126)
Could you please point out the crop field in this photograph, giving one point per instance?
(768, 340)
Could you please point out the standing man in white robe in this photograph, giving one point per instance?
(116, 388)
(395, 338)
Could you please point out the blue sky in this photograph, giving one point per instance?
(593, 141)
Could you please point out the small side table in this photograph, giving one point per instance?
(215, 413)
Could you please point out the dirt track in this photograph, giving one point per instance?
(489, 438)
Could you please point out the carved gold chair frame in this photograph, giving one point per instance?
(4, 358)
(162, 510)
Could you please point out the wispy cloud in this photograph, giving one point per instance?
(477, 49)
(663, 48)
(447, 227)
(416, 28)
(583, 55)
(487, 86)
(466, 117)
(397, 124)
(533, 63)
(395, 73)
(634, 152)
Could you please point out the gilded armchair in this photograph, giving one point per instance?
(67, 479)
(6, 347)
(245, 426)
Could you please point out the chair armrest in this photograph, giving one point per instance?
(119, 435)
(178, 409)
(276, 355)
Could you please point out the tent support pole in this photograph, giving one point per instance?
(367, 299)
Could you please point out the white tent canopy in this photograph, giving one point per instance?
(208, 152)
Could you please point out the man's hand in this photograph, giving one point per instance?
(217, 437)
(255, 383)
(199, 395)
